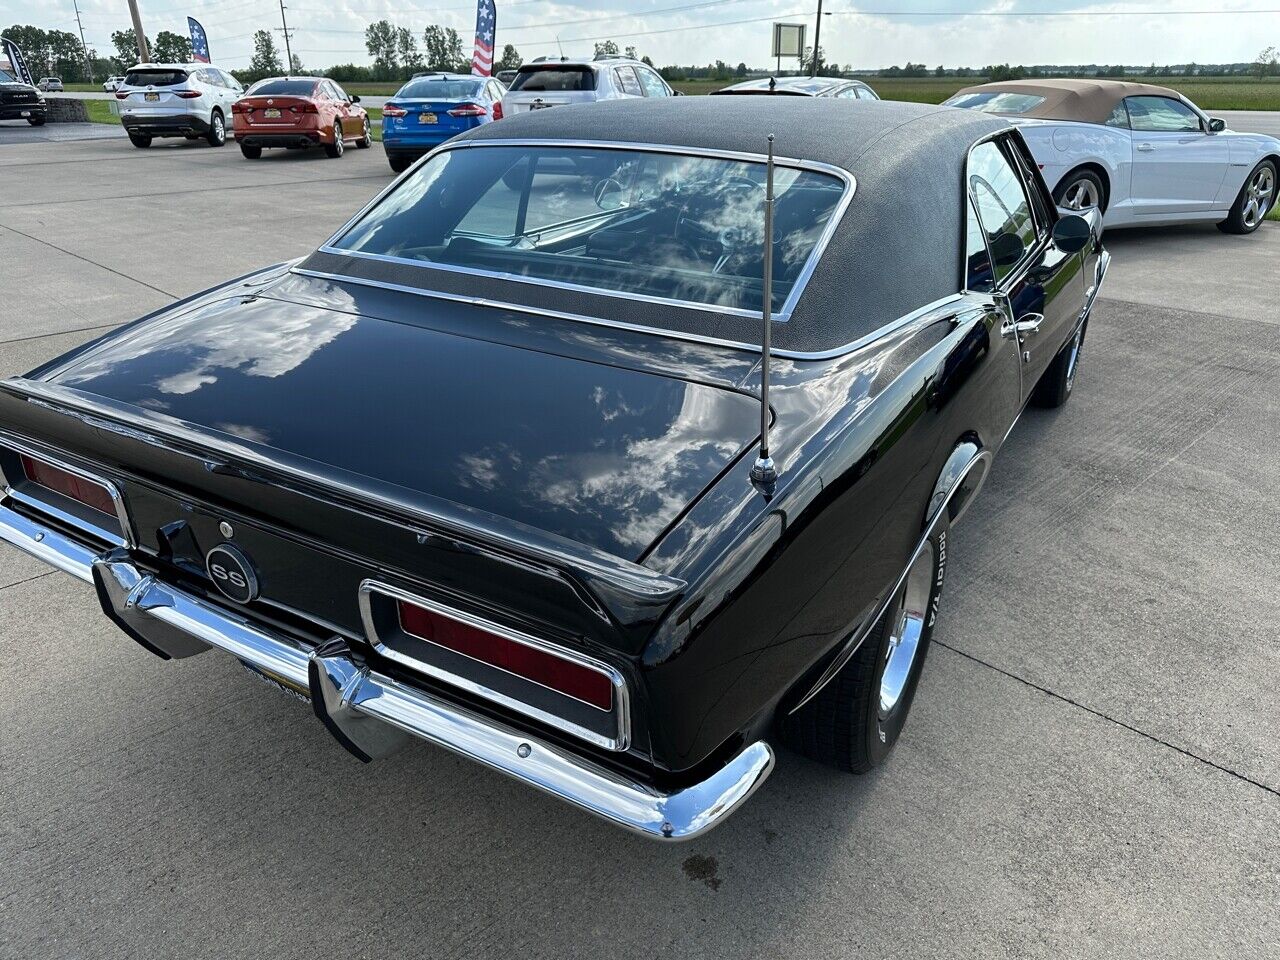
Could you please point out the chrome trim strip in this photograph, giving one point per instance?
(781, 316)
(364, 695)
(123, 538)
(621, 712)
(831, 354)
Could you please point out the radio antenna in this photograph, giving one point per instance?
(764, 473)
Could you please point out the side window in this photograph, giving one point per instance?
(1119, 116)
(978, 273)
(628, 82)
(848, 93)
(1003, 208)
(652, 83)
(866, 93)
(1161, 115)
(336, 91)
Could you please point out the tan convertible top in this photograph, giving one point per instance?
(1090, 101)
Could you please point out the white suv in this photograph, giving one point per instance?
(191, 100)
(547, 82)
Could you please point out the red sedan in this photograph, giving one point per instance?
(298, 112)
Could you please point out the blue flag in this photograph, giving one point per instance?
(199, 42)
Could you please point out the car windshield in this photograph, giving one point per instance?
(440, 90)
(992, 102)
(155, 78)
(665, 225)
(558, 77)
(5, 78)
(283, 88)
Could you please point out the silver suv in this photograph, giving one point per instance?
(191, 100)
(548, 82)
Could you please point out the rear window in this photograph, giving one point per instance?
(664, 225)
(557, 77)
(996, 102)
(283, 88)
(155, 78)
(439, 90)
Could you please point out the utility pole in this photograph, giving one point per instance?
(288, 53)
(88, 65)
(144, 55)
(817, 36)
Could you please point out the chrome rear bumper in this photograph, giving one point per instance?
(372, 714)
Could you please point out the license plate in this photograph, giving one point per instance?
(539, 106)
(427, 118)
(271, 114)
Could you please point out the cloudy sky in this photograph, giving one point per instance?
(958, 33)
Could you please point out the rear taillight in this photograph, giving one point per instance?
(189, 94)
(393, 110)
(68, 484)
(305, 108)
(497, 111)
(533, 663)
(122, 95)
(241, 108)
(469, 110)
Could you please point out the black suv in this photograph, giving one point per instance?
(20, 101)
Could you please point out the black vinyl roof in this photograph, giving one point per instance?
(898, 247)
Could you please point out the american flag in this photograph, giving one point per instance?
(486, 26)
(199, 42)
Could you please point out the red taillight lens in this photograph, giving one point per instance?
(305, 108)
(556, 673)
(68, 484)
(497, 111)
(122, 96)
(393, 110)
(189, 94)
(241, 108)
(469, 110)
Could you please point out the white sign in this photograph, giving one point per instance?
(788, 39)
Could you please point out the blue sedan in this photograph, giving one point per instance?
(432, 108)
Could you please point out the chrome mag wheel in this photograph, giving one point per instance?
(906, 631)
(1081, 195)
(1259, 194)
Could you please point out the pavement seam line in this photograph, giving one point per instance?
(180, 193)
(102, 266)
(38, 576)
(63, 333)
(1110, 719)
(1192, 313)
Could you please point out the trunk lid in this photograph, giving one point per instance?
(429, 116)
(596, 453)
(274, 111)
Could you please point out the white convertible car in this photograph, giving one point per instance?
(1142, 154)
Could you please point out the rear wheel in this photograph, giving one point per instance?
(335, 149)
(1254, 202)
(854, 721)
(366, 136)
(140, 140)
(217, 135)
(250, 153)
(1054, 388)
(1081, 190)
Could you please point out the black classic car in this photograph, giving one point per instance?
(492, 468)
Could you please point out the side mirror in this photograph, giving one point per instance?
(1072, 233)
(355, 99)
(1217, 125)
(1007, 249)
(677, 93)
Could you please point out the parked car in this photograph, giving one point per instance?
(431, 108)
(21, 101)
(112, 84)
(191, 100)
(505, 77)
(545, 82)
(299, 112)
(50, 84)
(490, 467)
(1144, 155)
(802, 87)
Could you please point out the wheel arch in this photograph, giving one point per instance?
(1096, 167)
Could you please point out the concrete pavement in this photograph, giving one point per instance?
(1091, 769)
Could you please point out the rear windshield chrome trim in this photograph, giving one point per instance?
(782, 315)
(621, 699)
(120, 538)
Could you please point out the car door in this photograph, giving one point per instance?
(341, 104)
(1178, 165)
(1039, 286)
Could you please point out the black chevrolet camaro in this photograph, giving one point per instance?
(492, 468)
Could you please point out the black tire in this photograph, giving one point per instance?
(1244, 218)
(365, 141)
(399, 164)
(140, 140)
(334, 150)
(217, 134)
(1079, 182)
(36, 121)
(1056, 383)
(844, 725)
(250, 153)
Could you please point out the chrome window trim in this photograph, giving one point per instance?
(1016, 273)
(782, 315)
(622, 701)
(123, 538)
(831, 354)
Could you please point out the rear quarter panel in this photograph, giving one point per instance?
(1060, 146)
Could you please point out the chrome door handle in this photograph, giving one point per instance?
(1145, 148)
(1026, 325)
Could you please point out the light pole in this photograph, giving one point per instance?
(817, 36)
(88, 65)
(288, 52)
(144, 55)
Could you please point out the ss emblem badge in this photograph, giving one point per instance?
(232, 573)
